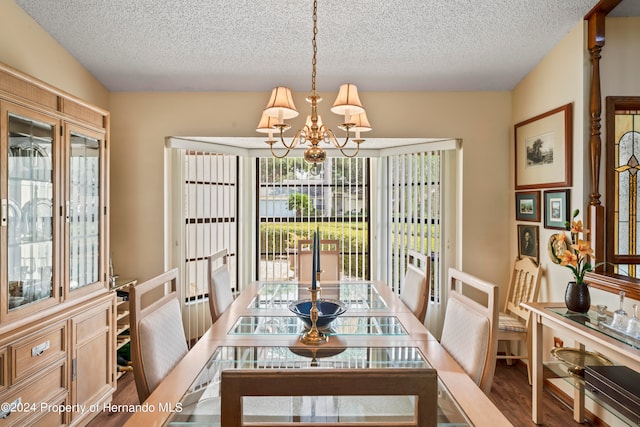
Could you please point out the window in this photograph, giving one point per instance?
(295, 199)
(623, 203)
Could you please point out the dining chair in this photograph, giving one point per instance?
(513, 322)
(329, 260)
(158, 340)
(419, 382)
(469, 330)
(414, 290)
(219, 283)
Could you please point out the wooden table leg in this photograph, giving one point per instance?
(578, 395)
(536, 361)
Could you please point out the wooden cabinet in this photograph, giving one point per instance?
(57, 313)
(67, 356)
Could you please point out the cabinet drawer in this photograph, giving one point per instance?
(51, 418)
(92, 323)
(31, 354)
(27, 399)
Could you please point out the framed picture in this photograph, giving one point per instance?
(528, 238)
(543, 150)
(528, 206)
(556, 208)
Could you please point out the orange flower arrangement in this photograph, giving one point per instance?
(577, 253)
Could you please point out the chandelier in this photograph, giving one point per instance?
(280, 108)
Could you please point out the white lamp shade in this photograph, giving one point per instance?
(361, 122)
(347, 101)
(281, 104)
(266, 123)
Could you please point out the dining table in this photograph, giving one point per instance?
(260, 331)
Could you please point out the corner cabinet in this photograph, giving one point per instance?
(57, 315)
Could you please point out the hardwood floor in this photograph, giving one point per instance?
(511, 393)
(126, 394)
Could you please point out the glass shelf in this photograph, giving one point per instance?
(561, 371)
(357, 295)
(591, 320)
(201, 403)
(30, 195)
(84, 211)
(343, 325)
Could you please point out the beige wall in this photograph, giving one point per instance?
(556, 81)
(620, 60)
(27, 47)
(141, 121)
(553, 83)
(563, 76)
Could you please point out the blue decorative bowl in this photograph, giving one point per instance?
(328, 310)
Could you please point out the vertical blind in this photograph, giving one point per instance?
(414, 208)
(210, 199)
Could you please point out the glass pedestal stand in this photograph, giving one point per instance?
(313, 336)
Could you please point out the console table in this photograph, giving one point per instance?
(588, 333)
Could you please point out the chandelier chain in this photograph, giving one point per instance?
(313, 132)
(315, 47)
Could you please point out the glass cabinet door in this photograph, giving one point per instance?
(84, 207)
(28, 209)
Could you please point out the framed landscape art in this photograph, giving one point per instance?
(556, 208)
(528, 206)
(543, 150)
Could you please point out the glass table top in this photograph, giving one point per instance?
(600, 324)
(343, 325)
(357, 295)
(200, 406)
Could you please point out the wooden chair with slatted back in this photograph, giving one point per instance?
(513, 322)
(419, 382)
(415, 288)
(469, 330)
(329, 260)
(158, 341)
(219, 283)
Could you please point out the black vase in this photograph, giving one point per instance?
(577, 297)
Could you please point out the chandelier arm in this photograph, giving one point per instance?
(334, 140)
(274, 154)
(294, 140)
(335, 143)
(349, 156)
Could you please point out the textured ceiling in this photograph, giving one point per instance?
(254, 45)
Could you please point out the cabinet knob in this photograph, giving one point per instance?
(40, 349)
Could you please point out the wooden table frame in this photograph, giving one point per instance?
(473, 402)
(618, 352)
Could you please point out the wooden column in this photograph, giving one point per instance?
(596, 210)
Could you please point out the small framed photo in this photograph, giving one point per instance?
(556, 208)
(528, 206)
(528, 238)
